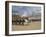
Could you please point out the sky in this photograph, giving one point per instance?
(25, 10)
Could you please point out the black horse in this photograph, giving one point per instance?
(20, 21)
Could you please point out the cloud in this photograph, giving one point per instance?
(25, 10)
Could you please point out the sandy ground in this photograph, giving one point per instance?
(31, 26)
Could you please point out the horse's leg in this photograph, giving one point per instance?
(23, 22)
